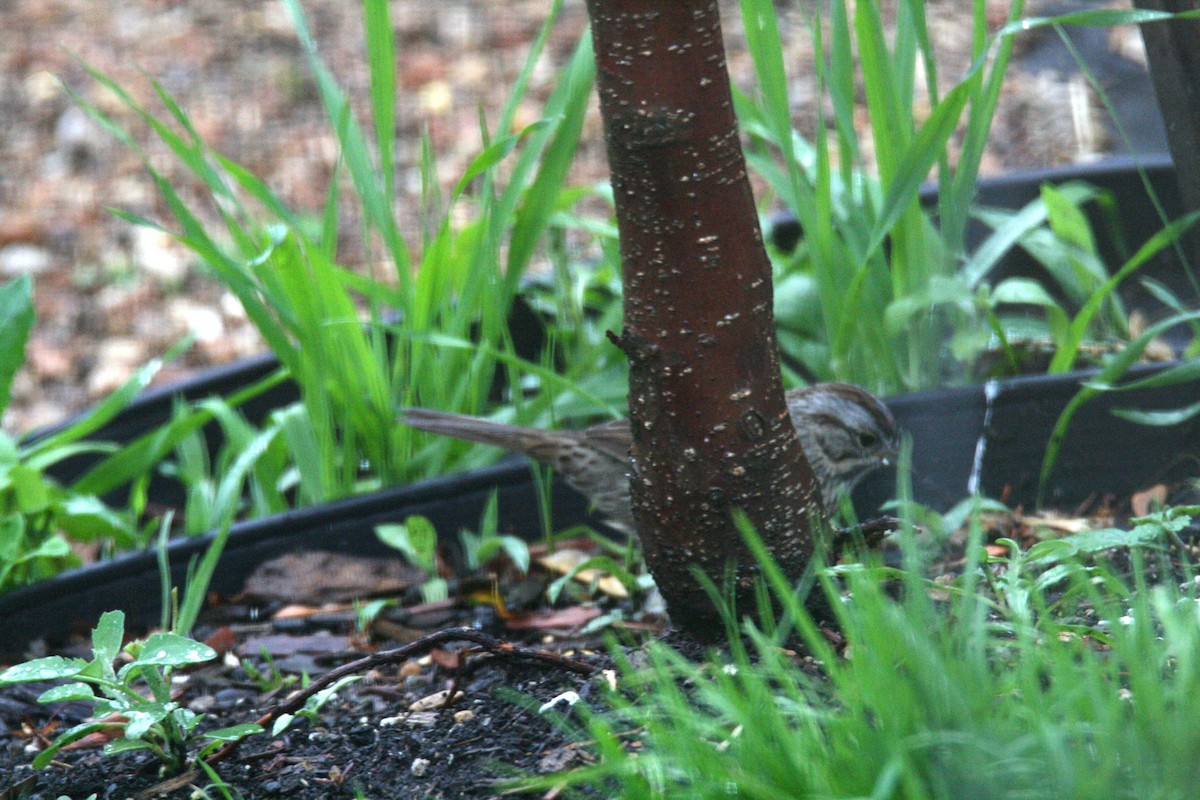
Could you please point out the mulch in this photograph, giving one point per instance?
(456, 697)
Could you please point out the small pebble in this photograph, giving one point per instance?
(24, 259)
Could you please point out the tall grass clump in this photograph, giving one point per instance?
(427, 325)
(877, 293)
(1066, 682)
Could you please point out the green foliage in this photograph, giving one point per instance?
(135, 699)
(870, 252)
(39, 517)
(953, 698)
(479, 548)
(867, 243)
(449, 298)
(417, 540)
(270, 678)
(312, 706)
(16, 321)
(246, 479)
(1106, 378)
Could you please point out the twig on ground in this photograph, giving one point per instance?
(483, 641)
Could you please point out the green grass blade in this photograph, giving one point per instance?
(16, 321)
(1108, 375)
(381, 56)
(1064, 357)
(570, 98)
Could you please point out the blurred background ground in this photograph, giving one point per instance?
(111, 296)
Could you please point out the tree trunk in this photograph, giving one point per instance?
(711, 431)
(1173, 50)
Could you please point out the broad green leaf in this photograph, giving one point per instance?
(43, 669)
(9, 452)
(126, 744)
(44, 758)
(54, 547)
(68, 691)
(118, 702)
(87, 518)
(12, 538)
(416, 538)
(515, 548)
(145, 715)
(170, 649)
(1094, 542)
(186, 719)
(1066, 218)
(234, 733)
(106, 640)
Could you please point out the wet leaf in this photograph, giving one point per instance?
(170, 649)
(68, 691)
(106, 640)
(234, 733)
(43, 669)
(145, 716)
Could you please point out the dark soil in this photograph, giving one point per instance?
(364, 744)
(392, 734)
(370, 740)
(508, 666)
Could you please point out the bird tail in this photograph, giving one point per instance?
(474, 429)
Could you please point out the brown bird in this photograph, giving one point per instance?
(846, 432)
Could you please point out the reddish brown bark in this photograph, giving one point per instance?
(711, 430)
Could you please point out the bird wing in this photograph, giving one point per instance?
(613, 437)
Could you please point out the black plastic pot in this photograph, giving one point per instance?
(992, 439)
(75, 600)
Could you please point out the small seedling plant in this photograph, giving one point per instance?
(133, 701)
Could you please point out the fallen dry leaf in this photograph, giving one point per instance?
(434, 701)
(565, 618)
(566, 559)
(1142, 501)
